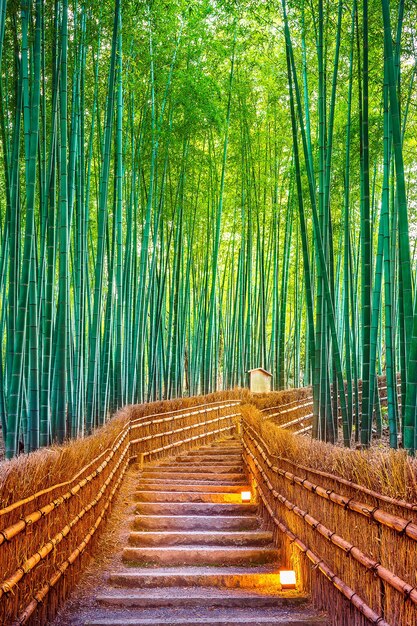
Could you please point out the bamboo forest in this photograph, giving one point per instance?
(191, 190)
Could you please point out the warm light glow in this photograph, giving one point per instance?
(246, 496)
(287, 579)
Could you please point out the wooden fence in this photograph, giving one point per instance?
(353, 549)
(297, 416)
(43, 536)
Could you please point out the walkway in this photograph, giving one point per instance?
(196, 554)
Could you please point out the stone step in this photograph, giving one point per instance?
(201, 522)
(213, 617)
(209, 461)
(201, 481)
(231, 445)
(186, 496)
(199, 475)
(200, 468)
(220, 538)
(218, 454)
(200, 555)
(173, 597)
(211, 452)
(226, 441)
(230, 458)
(225, 445)
(203, 454)
(215, 454)
(260, 578)
(195, 508)
(147, 485)
(211, 621)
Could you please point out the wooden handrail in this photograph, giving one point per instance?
(39, 597)
(196, 406)
(322, 566)
(184, 428)
(268, 479)
(139, 424)
(110, 450)
(343, 481)
(14, 505)
(106, 472)
(408, 591)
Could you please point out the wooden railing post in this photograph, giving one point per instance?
(141, 458)
(239, 427)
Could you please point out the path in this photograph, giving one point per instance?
(196, 554)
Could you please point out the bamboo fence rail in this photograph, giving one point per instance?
(361, 542)
(280, 414)
(44, 535)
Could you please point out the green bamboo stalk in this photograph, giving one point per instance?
(94, 333)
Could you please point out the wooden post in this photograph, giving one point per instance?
(141, 457)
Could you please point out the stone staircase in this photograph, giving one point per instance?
(196, 553)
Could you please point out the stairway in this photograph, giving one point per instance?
(196, 554)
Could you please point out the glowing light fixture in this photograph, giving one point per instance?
(246, 496)
(287, 579)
